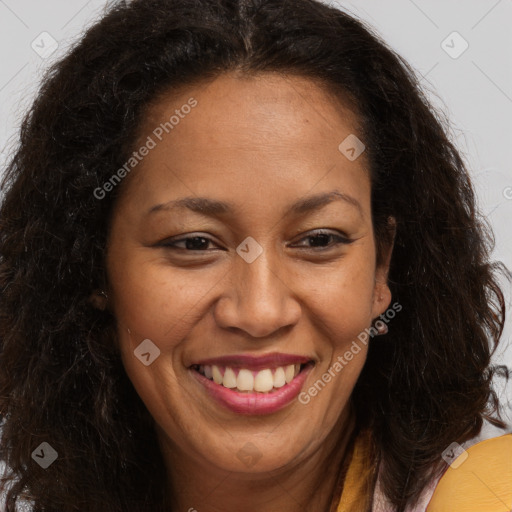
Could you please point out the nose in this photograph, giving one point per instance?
(258, 298)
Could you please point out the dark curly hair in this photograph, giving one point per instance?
(426, 384)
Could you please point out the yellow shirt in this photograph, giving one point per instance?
(482, 483)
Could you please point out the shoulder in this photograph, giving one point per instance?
(479, 479)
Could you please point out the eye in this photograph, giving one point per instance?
(189, 243)
(319, 240)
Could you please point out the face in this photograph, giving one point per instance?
(242, 248)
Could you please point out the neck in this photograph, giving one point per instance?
(308, 486)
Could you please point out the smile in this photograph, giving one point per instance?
(251, 385)
(245, 380)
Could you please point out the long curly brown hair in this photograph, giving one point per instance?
(427, 383)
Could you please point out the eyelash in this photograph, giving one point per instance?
(341, 241)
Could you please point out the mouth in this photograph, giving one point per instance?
(245, 380)
(247, 385)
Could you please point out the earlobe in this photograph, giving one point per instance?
(99, 299)
(382, 298)
(382, 293)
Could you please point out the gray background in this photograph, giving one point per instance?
(473, 87)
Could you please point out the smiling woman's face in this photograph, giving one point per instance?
(279, 269)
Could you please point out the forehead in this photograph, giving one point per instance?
(253, 109)
(273, 134)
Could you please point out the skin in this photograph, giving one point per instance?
(262, 143)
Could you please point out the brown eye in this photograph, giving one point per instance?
(321, 240)
(191, 243)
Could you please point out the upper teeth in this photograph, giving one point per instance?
(248, 380)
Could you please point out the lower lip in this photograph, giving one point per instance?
(254, 403)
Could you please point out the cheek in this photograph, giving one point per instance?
(340, 306)
(153, 300)
(340, 300)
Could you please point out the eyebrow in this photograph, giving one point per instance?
(213, 207)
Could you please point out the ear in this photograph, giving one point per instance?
(98, 299)
(382, 293)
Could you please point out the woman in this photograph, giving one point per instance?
(235, 275)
